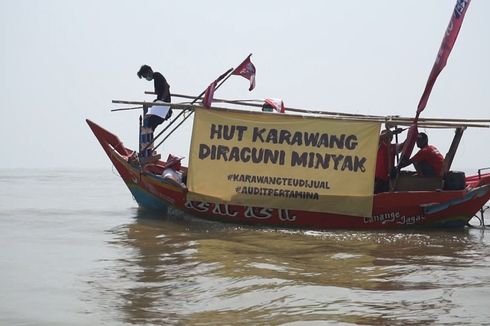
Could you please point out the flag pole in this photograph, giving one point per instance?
(448, 41)
(225, 75)
(220, 80)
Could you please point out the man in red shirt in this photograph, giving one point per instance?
(428, 160)
(385, 160)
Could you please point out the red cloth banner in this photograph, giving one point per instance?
(247, 70)
(445, 49)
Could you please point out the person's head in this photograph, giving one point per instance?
(145, 72)
(422, 140)
(385, 137)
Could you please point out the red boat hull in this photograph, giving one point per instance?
(440, 209)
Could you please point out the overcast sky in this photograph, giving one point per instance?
(64, 61)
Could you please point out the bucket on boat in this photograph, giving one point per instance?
(454, 180)
(171, 174)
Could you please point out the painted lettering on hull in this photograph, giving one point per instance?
(259, 213)
(395, 218)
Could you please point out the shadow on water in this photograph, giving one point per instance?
(179, 270)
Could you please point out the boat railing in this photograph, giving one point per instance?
(479, 172)
(481, 216)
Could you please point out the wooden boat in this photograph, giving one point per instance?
(314, 172)
(414, 202)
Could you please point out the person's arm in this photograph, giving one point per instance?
(159, 88)
(162, 89)
(166, 92)
(403, 163)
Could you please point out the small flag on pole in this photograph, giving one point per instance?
(208, 96)
(247, 70)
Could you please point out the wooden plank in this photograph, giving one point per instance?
(448, 160)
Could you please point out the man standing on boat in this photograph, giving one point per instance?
(428, 160)
(156, 114)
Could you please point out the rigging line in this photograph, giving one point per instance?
(172, 131)
(223, 77)
(164, 129)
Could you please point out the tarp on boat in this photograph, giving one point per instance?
(283, 161)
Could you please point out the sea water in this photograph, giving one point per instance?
(76, 250)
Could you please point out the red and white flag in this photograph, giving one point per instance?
(208, 96)
(247, 70)
(445, 49)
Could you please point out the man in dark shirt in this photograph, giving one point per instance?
(162, 89)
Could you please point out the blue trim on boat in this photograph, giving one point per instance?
(435, 208)
(146, 199)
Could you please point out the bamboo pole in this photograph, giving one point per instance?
(259, 105)
(127, 109)
(386, 118)
(177, 106)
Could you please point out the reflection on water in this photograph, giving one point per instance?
(200, 273)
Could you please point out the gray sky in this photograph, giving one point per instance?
(64, 61)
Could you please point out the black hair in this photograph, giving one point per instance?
(423, 135)
(144, 71)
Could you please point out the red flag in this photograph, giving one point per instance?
(447, 44)
(445, 49)
(208, 96)
(409, 142)
(247, 70)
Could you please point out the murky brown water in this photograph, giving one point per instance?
(75, 250)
